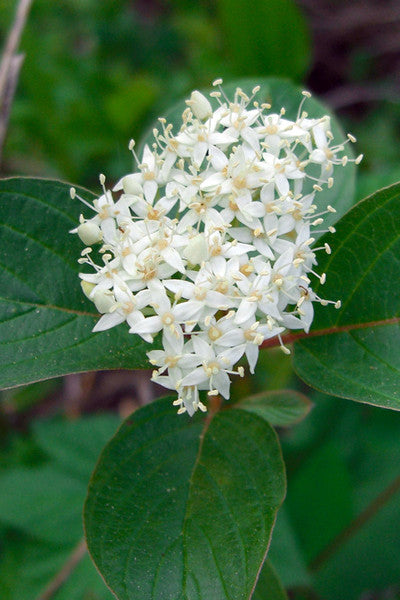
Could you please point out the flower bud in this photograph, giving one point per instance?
(200, 106)
(131, 184)
(196, 251)
(90, 233)
(87, 288)
(103, 300)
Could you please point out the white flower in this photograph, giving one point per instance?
(210, 242)
(216, 368)
(167, 316)
(173, 356)
(126, 307)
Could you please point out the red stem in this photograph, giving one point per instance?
(290, 338)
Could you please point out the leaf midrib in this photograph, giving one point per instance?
(291, 338)
(73, 311)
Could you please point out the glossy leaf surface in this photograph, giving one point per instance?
(181, 508)
(45, 321)
(356, 350)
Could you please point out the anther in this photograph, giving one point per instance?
(212, 393)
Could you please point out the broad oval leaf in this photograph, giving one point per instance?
(354, 352)
(281, 408)
(181, 508)
(282, 93)
(45, 321)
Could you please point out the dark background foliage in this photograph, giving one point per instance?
(95, 75)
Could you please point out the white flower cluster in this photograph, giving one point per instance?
(209, 241)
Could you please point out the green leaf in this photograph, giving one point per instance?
(257, 37)
(75, 446)
(181, 508)
(281, 93)
(372, 552)
(318, 516)
(29, 566)
(45, 321)
(42, 502)
(354, 352)
(268, 585)
(369, 544)
(368, 183)
(359, 554)
(285, 553)
(46, 501)
(281, 408)
(43, 506)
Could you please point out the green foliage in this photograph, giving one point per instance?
(184, 507)
(46, 322)
(326, 467)
(174, 499)
(96, 72)
(281, 408)
(43, 502)
(268, 585)
(356, 353)
(40, 511)
(286, 553)
(267, 37)
(343, 498)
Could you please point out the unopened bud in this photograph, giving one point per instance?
(90, 233)
(197, 250)
(200, 106)
(131, 184)
(103, 300)
(87, 287)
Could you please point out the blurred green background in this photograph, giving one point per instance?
(96, 73)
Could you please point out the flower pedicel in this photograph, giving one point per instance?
(210, 241)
